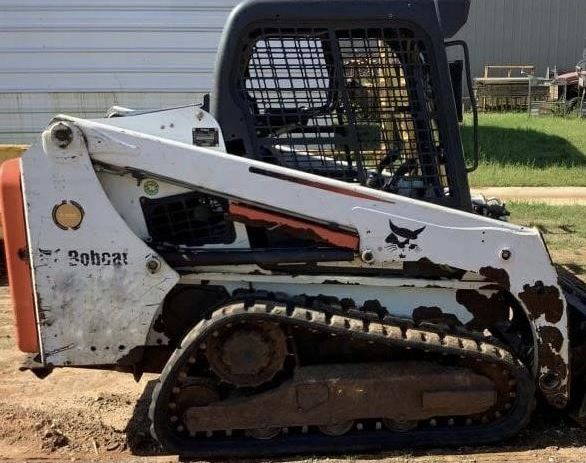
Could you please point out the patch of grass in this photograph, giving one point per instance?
(563, 227)
(520, 151)
(494, 175)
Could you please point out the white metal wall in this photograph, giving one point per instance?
(82, 56)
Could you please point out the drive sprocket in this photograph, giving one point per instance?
(247, 354)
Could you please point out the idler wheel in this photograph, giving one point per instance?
(196, 392)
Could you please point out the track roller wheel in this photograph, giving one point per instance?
(264, 433)
(400, 425)
(339, 429)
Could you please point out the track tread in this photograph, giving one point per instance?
(365, 329)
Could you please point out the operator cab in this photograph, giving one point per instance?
(372, 105)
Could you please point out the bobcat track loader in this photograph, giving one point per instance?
(299, 260)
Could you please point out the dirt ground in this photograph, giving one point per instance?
(81, 415)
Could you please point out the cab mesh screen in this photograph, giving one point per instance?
(356, 105)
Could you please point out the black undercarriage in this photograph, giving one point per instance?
(263, 371)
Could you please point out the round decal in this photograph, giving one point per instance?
(151, 187)
(68, 215)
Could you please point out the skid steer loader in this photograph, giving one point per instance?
(299, 259)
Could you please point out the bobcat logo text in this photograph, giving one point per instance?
(97, 259)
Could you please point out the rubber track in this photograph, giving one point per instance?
(365, 441)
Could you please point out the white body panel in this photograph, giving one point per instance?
(461, 240)
(87, 276)
(400, 297)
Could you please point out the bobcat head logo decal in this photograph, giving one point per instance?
(403, 238)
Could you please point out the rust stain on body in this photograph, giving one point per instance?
(543, 300)
(486, 310)
(435, 315)
(553, 335)
(497, 275)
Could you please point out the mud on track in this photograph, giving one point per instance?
(101, 416)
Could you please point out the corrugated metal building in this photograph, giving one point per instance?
(526, 32)
(82, 56)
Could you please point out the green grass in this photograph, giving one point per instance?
(517, 150)
(564, 229)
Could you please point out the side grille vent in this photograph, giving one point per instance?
(191, 219)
